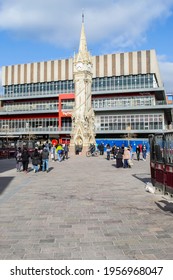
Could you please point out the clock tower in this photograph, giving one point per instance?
(83, 117)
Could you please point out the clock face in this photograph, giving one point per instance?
(79, 66)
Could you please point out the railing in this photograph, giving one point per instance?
(129, 104)
(67, 130)
(33, 130)
(105, 106)
(29, 110)
(34, 94)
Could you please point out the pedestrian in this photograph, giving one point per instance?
(59, 151)
(119, 158)
(138, 152)
(25, 159)
(144, 152)
(114, 151)
(18, 157)
(130, 148)
(108, 151)
(45, 159)
(101, 148)
(126, 157)
(36, 160)
(66, 150)
(52, 152)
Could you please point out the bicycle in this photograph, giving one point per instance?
(92, 154)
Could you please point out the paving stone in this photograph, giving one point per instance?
(91, 210)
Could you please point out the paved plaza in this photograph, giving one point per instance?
(84, 208)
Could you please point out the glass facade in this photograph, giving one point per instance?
(129, 122)
(29, 125)
(111, 123)
(123, 102)
(31, 106)
(98, 84)
(46, 88)
(124, 82)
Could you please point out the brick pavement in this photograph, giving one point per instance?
(84, 208)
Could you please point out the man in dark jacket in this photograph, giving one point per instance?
(25, 159)
(36, 160)
(119, 158)
(45, 159)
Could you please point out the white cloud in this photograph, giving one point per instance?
(119, 23)
(111, 25)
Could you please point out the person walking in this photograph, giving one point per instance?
(52, 152)
(126, 157)
(18, 157)
(108, 151)
(119, 158)
(45, 160)
(138, 152)
(144, 152)
(59, 151)
(101, 148)
(36, 160)
(66, 150)
(25, 159)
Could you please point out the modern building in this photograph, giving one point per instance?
(128, 98)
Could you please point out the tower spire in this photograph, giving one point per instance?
(83, 42)
(83, 53)
(82, 16)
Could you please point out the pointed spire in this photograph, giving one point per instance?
(83, 43)
(83, 53)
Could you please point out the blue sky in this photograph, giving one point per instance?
(40, 30)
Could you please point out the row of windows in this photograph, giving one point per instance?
(123, 102)
(29, 125)
(102, 123)
(46, 87)
(69, 104)
(98, 84)
(130, 122)
(31, 106)
(124, 82)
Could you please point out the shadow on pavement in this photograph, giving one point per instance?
(144, 177)
(167, 206)
(7, 164)
(4, 182)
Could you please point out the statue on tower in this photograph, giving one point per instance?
(83, 117)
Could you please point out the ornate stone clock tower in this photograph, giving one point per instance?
(83, 117)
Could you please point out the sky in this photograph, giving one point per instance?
(41, 30)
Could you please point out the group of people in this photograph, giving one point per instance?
(59, 151)
(40, 157)
(124, 155)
